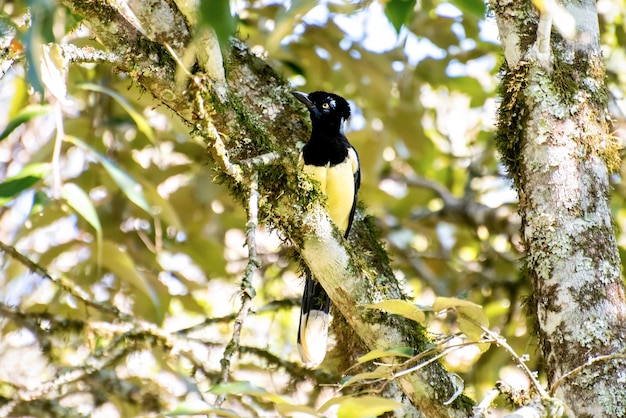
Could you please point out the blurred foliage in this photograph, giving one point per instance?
(107, 189)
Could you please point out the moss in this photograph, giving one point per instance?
(347, 349)
(248, 134)
(565, 82)
(512, 116)
(89, 10)
(579, 81)
(525, 18)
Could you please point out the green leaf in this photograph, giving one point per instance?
(466, 309)
(54, 69)
(117, 261)
(286, 19)
(285, 410)
(400, 307)
(25, 115)
(39, 32)
(216, 14)
(160, 206)
(473, 7)
(366, 406)
(198, 407)
(399, 12)
(129, 186)
(141, 122)
(25, 179)
(246, 388)
(82, 204)
(376, 354)
(380, 373)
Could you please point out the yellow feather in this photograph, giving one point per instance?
(337, 182)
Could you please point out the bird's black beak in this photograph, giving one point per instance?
(304, 98)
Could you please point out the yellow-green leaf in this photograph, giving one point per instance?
(117, 261)
(286, 410)
(335, 401)
(160, 206)
(54, 68)
(141, 122)
(198, 407)
(400, 307)
(25, 179)
(82, 204)
(379, 373)
(246, 388)
(376, 354)
(470, 314)
(366, 406)
(128, 185)
(25, 115)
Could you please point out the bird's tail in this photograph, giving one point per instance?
(314, 319)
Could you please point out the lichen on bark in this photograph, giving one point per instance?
(554, 135)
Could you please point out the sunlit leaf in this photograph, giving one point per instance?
(473, 7)
(117, 260)
(39, 32)
(26, 114)
(198, 407)
(141, 122)
(337, 400)
(286, 410)
(246, 388)
(400, 307)
(286, 19)
(366, 406)
(128, 185)
(82, 204)
(376, 354)
(474, 312)
(160, 206)
(25, 179)
(399, 12)
(54, 67)
(380, 373)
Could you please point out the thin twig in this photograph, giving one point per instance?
(64, 284)
(263, 159)
(480, 410)
(177, 59)
(247, 290)
(580, 368)
(66, 378)
(88, 54)
(501, 341)
(440, 354)
(128, 323)
(271, 307)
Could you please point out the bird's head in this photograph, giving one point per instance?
(326, 109)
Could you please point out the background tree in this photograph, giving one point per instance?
(125, 267)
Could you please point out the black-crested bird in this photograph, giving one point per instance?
(329, 158)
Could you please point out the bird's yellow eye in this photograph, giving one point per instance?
(325, 106)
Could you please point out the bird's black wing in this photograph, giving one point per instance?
(357, 185)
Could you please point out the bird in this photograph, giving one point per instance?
(329, 158)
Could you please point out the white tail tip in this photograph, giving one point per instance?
(313, 337)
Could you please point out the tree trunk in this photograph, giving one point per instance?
(554, 135)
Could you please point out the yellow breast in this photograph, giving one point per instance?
(337, 182)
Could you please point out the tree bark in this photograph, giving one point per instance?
(247, 112)
(554, 135)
